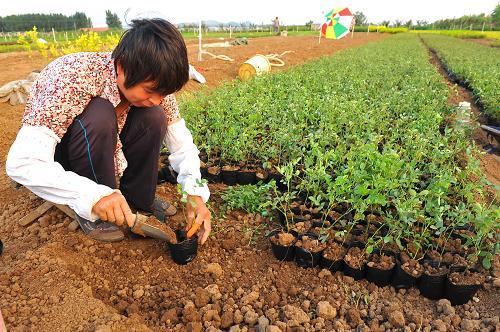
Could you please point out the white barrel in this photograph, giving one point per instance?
(255, 66)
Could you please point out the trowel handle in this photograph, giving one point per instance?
(193, 230)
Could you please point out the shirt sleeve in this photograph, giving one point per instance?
(30, 162)
(170, 107)
(184, 159)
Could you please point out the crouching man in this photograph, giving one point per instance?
(93, 118)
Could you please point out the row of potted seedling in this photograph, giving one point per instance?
(360, 250)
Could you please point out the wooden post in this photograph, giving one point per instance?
(319, 38)
(30, 217)
(199, 42)
(54, 35)
(368, 30)
(230, 32)
(352, 32)
(482, 30)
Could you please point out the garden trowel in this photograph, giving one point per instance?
(151, 227)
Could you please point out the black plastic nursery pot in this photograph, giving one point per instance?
(185, 250)
(246, 177)
(1, 247)
(378, 276)
(213, 175)
(402, 279)
(167, 174)
(431, 286)
(277, 177)
(229, 177)
(261, 176)
(203, 171)
(354, 272)
(305, 258)
(459, 293)
(333, 265)
(282, 253)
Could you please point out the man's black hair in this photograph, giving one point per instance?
(153, 50)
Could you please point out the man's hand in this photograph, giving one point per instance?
(197, 210)
(114, 208)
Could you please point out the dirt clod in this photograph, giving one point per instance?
(325, 310)
(397, 319)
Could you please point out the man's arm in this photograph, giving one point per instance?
(30, 162)
(184, 159)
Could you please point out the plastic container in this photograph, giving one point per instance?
(246, 177)
(229, 177)
(255, 66)
(356, 273)
(167, 174)
(379, 276)
(431, 286)
(459, 293)
(1, 247)
(402, 279)
(185, 250)
(282, 253)
(305, 258)
(277, 177)
(332, 265)
(214, 176)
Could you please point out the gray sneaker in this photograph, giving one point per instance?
(100, 230)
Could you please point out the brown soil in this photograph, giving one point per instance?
(283, 239)
(304, 48)
(302, 226)
(381, 262)
(310, 244)
(430, 270)
(230, 168)
(434, 255)
(52, 279)
(455, 260)
(452, 245)
(355, 257)
(214, 170)
(484, 41)
(414, 250)
(413, 268)
(466, 278)
(334, 251)
(261, 175)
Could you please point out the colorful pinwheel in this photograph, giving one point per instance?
(338, 22)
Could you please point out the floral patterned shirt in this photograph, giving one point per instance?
(65, 87)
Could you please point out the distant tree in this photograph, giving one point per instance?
(398, 23)
(44, 22)
(360, 18)
(408, 24)
(385, 23)
(112, 20)
(495, 16)
(81, 21)
(421, 23)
